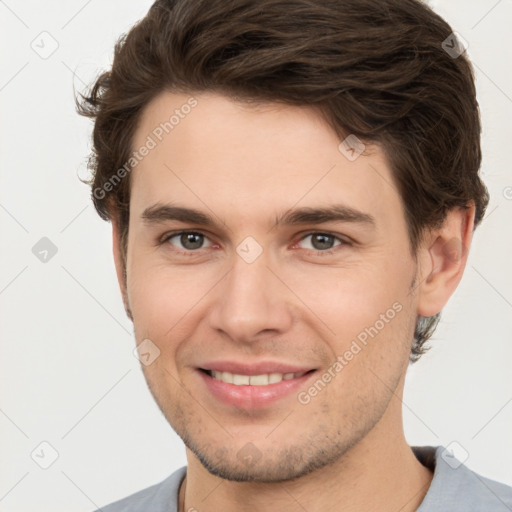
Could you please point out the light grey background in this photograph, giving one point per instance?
(69, 377)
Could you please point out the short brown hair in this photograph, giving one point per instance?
(374, 68)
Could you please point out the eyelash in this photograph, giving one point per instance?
(343, 242)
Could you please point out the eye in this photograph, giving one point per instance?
(322, 242)
(192, 241)
(189, 240)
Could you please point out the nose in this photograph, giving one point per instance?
(251, 302)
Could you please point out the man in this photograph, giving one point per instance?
(293, 187)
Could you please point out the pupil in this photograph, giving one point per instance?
(325, 241)
(191, 240)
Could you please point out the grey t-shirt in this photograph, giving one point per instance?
(454, 488)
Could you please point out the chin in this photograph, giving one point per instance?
(248, 464)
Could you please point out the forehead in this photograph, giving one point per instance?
(212, 153)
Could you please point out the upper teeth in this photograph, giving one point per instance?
(253, 380)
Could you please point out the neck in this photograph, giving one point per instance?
(380, 473)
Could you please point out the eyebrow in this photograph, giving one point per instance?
(159, 213)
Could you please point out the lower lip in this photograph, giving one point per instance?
(252, 397)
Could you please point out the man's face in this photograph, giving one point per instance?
(250, 296)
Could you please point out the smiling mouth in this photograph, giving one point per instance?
(263, 379)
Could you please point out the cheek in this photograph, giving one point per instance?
(163, 298)
(350, 300)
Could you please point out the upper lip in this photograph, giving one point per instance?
(258, 368)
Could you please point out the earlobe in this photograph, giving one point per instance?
(443, 259)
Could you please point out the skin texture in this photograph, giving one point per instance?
(296, 303)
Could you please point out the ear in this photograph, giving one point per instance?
(120, 264)
(442, 258)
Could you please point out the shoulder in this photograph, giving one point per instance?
(161, 497)
(456, 488)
